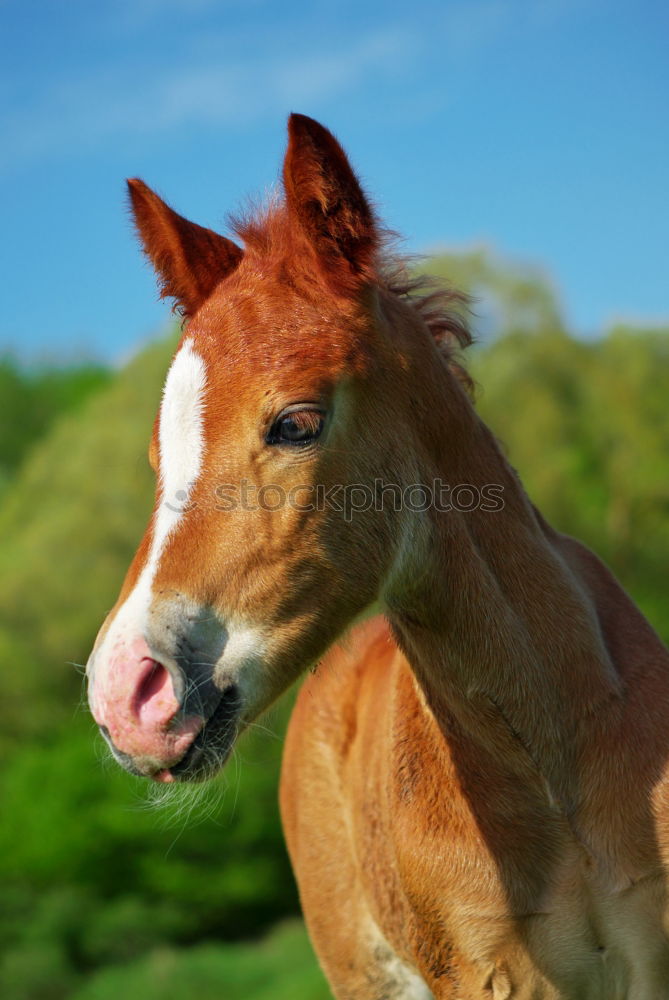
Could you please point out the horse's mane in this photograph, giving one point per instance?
(443, 309)
(266, 231)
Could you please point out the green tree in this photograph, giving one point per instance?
(32, 398)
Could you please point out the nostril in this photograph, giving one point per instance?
(155, 702)
(150, 683)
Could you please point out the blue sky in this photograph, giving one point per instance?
(538, 127)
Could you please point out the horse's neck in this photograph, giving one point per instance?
(502, 629)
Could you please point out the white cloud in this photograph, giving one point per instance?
(221, 77)
(81, 112)
(472, 26)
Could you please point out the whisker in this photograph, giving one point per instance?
(265, 730)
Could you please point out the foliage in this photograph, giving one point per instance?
(103, 895)
(101, 876)
(35, 397)
(279, 968)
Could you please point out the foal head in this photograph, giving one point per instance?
(307, 375)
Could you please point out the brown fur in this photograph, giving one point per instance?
(474, 788)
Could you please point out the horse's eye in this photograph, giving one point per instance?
(296, 427)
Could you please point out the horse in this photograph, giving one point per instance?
(474, 787)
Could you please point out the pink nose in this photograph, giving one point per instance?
(133, 697)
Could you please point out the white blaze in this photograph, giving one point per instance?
(180, 450)
(180, 441)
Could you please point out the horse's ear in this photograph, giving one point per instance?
(324, 197)
(189, 259)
